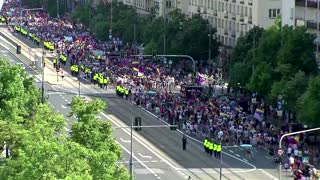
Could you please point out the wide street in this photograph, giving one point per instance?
(157, 152)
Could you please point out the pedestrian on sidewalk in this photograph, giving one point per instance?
(184, 142)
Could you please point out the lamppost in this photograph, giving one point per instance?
(131, 139)
(111, 16)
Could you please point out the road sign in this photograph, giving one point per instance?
(280, 152)
(305, 159)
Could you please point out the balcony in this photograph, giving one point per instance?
(249, 20)
(225, 15)
(312, 25)
(215, 14)
(225, 33)
(226, 0)
(311, 3)
(234, 1)
(241, 19)
(233, 34)
(250, 3)
(233, 16)
(241, 1)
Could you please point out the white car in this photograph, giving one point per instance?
(22, 65)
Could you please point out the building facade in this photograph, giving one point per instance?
(231, 18)
(161, 7)
(301, 13)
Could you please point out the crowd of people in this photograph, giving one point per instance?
(178, 97)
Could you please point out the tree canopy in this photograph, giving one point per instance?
(39, 146)
(280, 62)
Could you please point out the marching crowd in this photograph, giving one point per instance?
(196, 109)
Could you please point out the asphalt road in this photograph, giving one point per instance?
(158, 152)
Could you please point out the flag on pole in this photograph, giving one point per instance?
(135, 62)
(136, 69)
(258, 114)
(214, 105)
(224, 115)
(158, 70)
(140, 74)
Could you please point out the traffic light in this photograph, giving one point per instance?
(18, 49)
(154, 54)
(137, 122)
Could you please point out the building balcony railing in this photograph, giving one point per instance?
(234, 1)
(215, 14)
(225, 15)
(233, 34)
(225, 33)
(310, 3)
(241, 19)
(241, 1)
(312, 25)
(233, 16)
(249, 20)
(250, 3)
(226, 0)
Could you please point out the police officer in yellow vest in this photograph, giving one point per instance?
(205, 141)
(219, 148)
(95, 78)
(105, 83)
(215, 146)
(101, 82)
(210, 148)
(126, 93)
(54, 63)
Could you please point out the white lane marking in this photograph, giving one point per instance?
(127, 162)
(125, 141)
(58, 110)
(66, 100)
(268, 174)
(238, 155)
(142, 163)
(245, 159)
(63, 106)
(213, 171)
(69, 102)
(268, 157)
(99, 117)
(142, 141)
(7, 42)
(149, 157)
(6, 56)
(56, 93)
(62, 97)
(231, 151)
(253, 166)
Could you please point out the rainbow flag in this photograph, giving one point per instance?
(214, 105)
(149, 68)
(238, 109)
(135, 62)
(158, 70)
(135, 69)
(107, 61)
(225, 115)
(259, 110)
(140, 74)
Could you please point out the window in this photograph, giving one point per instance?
(273, 13)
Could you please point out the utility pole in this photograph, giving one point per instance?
(210, 38)
(58, 8)
(42, 81)
(131, 164)
(111, 16)
(131, 142)
(134, 40)
(164, 26)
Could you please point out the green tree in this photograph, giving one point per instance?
(95, 134)
(309, 103)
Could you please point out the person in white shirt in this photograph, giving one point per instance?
(289, 151)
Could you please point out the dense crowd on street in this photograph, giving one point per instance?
(180, 98)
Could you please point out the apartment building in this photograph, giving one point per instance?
(144, 6)
(301, 13)
(231, 18)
